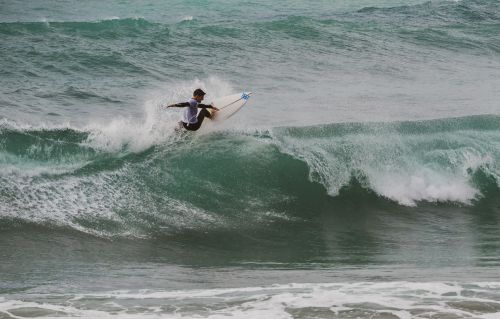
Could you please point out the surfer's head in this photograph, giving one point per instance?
(198, 95)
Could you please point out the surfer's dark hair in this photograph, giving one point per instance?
(198, 92)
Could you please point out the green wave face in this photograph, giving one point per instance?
(230, 180)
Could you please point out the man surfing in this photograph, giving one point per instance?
(191, 119)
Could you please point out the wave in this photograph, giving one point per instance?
(110, 28)
(407, 162)
(460, 21)
(460, 26)
(111, 181)
(448, 25)
(444, 11)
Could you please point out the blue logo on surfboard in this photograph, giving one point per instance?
(245, 96)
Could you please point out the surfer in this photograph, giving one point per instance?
(191, 119)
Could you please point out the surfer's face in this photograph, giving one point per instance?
(198, 98)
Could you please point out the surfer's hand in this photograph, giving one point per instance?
(214, 108)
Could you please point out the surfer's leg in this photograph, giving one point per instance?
(201, 116)
(191, 127)
(204, 113)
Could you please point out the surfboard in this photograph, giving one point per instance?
(228, 106)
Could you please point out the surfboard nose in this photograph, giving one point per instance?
(246, 95)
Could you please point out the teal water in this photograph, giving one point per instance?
(360, 181)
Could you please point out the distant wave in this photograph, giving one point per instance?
(110, 28)
(444, 11)
(480, 19)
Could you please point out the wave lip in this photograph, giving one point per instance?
(408, 162)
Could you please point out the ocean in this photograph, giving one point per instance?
(361, 180)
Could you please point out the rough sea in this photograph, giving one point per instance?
(361, 180)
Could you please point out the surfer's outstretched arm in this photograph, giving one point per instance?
(183, 104)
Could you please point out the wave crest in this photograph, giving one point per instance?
(406, 162)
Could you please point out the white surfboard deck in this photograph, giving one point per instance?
(228, 106)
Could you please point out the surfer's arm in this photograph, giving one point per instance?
(205, 106)
(183, 104)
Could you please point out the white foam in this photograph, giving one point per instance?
(135, 134)
(403, 168)
(130, 134)
(400, 299)
(99, 198)
(40, 125)
(422, 185)
(158, 123)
